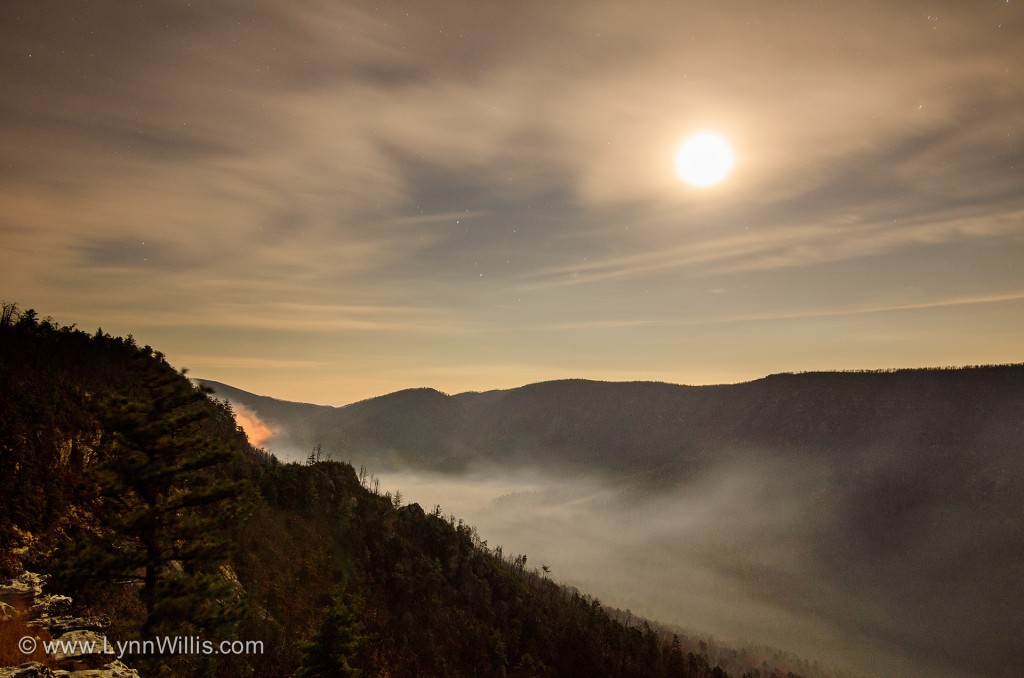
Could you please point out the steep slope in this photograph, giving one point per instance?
(886, 506)
(328, 576)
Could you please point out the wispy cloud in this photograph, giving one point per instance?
(212, 164)
(835, 312)
(200, 361)
(861, 310)
(782, 246)
(299, 318)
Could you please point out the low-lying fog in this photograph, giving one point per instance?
(736, 552)
(893, 553)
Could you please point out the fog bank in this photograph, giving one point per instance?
(738, 552)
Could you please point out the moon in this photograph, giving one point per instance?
(704, 159)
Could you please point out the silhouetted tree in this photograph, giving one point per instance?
(335, 646)
(166, 510)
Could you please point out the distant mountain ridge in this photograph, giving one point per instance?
(640, 426)
(893, 499)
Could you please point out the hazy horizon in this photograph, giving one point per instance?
(516, 385)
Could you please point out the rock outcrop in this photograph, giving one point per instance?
(115, 669)
(22, 591)
(80, 656)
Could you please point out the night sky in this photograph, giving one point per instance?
(327, 201)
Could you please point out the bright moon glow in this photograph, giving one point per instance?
(704, 159)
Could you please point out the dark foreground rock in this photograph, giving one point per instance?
(114, 669)
(82, 654)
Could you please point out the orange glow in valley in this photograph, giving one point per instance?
(254, 428)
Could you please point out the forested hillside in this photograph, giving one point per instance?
(142, 499)
(885, 507)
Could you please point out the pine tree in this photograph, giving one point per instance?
(336, 645)
(168, 510)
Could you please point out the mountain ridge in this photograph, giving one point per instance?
(670, 423)
(886, 504)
